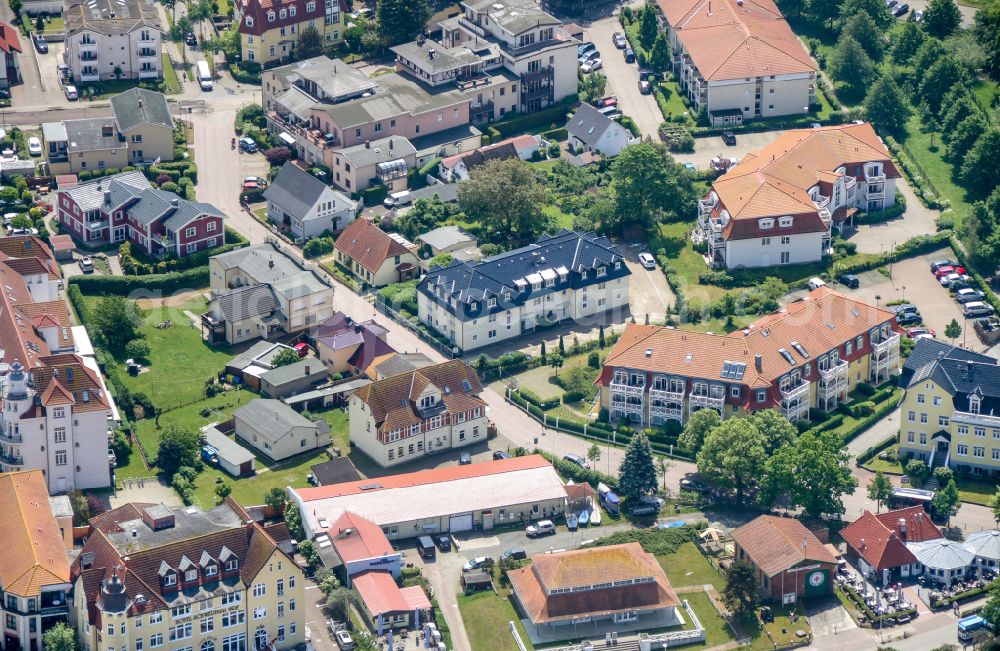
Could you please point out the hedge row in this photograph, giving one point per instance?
(892, 212)
(881, 411)
(578, 474)
(532, 397)
(127, 285)
(912, 247)
(556, 135)
(874, 450)
(555, 116)
(872, 617)
(754, 126)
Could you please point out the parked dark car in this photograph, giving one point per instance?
(191, 39)
(444, 543)
(516, 553)
(40, 44)
(901, 10)
(909, 318)
(905, 308)
(937, 264)
(729, 138)
(500, 454)
(849, 280)
(426, 547)
(629, 55)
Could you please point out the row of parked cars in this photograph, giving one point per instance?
(952, 275)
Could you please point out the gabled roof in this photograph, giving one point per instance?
(138, 106)
(392, 400)
(246, 302)
(369, 245)
(876, 543)
(958, 371)
(110, 16)
(296, 191)
(10, 40)
(589, 125)
(778, 544)
(34, 556)
(270, 418)
(379, 592)
(735, 39)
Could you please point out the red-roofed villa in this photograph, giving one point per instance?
(877, 544)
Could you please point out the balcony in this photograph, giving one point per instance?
(884, 359)
(164, 240)
(313, 136)
(970, 418)
(149, 73)
(90, 76)
(874, 178)
(875, 194)
(666, 394)
(545, 72)
(97, 224)
(668, 413)
(886, 347)
(712, 400)
(11, 460)
(633, 405)
(87, 45)
(627, 389)
(472, 27)
(148, 54)
(88, 56)
(10, 438)
(795, 402)
(705, 207)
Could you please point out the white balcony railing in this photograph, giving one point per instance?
(975, 419)
(670, 413)
(715, 401)
(874, 178)
(666, 394)
(627, 389)
(887, 346)
(796, 392)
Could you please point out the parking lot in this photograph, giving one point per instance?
(705, 149)
(913, 281)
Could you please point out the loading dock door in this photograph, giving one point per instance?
(460, 522)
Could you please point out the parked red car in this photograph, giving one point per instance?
(302, 349)
(944, 271)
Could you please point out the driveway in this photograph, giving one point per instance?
(623, 78)
(917, 220)
(705, 149)
(649, 293)
(912, 280)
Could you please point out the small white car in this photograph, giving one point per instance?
(540, 528)
(344, 640)
(475, 563)
(647, 260)
(592, 65)
(71, 93)
(86, 265)
(34, 146)
(816, 283)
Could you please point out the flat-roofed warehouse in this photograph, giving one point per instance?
(457, 498)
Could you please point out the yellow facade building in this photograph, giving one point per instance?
(950, 414)
(270, 29)
(150, 577)
(810, 354)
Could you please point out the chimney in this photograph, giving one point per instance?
(175, 202)
(902, 528)
(862, 545)
(368, 144)
(306, 370)
(758, 363)
(270, 263)
(390, 144)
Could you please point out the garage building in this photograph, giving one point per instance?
(231, 456)
(453, 499)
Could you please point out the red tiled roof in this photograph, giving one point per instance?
(369, 245)
(364, 541)
(415, 598)
(9, 39)
(379, 592)
(583, 568)
(34, 556)
(62, 243)
(880, 539)
(776, 544)
(423, 477)
(917, 523)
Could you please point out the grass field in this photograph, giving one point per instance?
(688, 566)
(180, 360)
(936, 169)
(171, 85)
(562, 219)
(486, 615)
(716, 630)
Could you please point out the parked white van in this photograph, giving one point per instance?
(816, 283)
(204, 75)
(398, 199)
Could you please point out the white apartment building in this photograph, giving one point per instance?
(567, 276)
(738, 59)
(54, 415)
(112, 39)
(507, 55)
(428, 411)
(778, 206)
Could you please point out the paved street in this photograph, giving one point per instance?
(623, 78)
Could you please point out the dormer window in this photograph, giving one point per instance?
(283, 13)
(191, 575)
(583, 275)
(291, 10)
(766, 223)
(474, 305)
(270, 16)
(232, 564)
(536, 286)
(310, 6)
(602, 271)
(427, 401)
(506, 296)
(249, 21)
(212, 570)
(785, 222)
(170, 579)
(618, 265)
(974, 404)
(491, 302)
(550, 282)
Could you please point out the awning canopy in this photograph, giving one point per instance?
(286, 138)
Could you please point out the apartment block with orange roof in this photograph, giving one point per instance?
(810, 354)
(34, 574)
(738, 59)
(778, 206)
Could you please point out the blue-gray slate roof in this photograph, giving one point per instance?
(960, 372)
(296, 191)
(565, 257)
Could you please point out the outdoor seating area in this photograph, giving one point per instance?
(887, 606)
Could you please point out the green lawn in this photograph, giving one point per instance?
(975, 491)
(688, 566)
(716, 630)
(937, 170)
(180, 360)
(220, 408)
(562, 220)
(486, 616)
(171, 85)
(673, 101)
(892, 467)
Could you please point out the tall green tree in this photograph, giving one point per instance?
(879, 490)
(284, 357)
(116, 320)
(942, 18)
(594, 455)
(701, 422)
(825, 11)
(648, 27)
(991, 610)
(775, 428)
(927, 54)
(987, 31)
(958, 105)
(862, 28)
(659, 56)
(178, 447)
(507, 197)
(946, 501)
(663, 466)
(814, 474)
(732, 456)
(741, 591)
(852, 68)
(995, 505)
(637, 473)
(908, 40)
(275, 498)
(592, 86)
(310, 43)
(963, 137)
(886, 107)
(648, 185)
(953, 331)
(59, 638)
(938, 81)
(875, 9)
(402, 20)
(293, 520)
(980, 230)
(981, 169)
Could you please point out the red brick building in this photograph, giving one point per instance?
(876, 544)
(790, 560)
(126, 207)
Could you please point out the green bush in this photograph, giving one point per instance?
(125, 285)
(553, 117)
(374, 195)
(556, 135)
